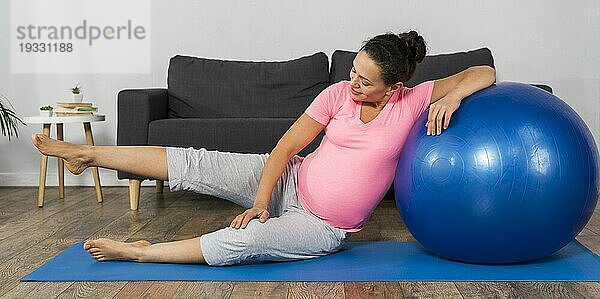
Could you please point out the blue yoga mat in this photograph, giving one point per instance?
(362, 261)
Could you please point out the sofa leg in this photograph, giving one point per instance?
(134, 194)
(159, 186)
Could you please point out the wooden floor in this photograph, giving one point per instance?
(29, 236)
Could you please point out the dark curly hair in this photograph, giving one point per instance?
(396, 55)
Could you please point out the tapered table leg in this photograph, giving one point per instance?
(134, 194)
(43, 167)
(61, 164)
(90, 141)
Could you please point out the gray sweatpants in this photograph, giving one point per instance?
(291, 233)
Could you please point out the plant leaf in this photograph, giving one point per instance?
(8, 119)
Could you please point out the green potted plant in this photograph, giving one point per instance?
(8, 119)
(46, 111)
(77, 92)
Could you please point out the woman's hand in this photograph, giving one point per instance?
(242, 219)
(440, 111)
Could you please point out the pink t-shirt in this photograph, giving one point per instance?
(345, 178)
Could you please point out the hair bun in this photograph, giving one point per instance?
(415, 43)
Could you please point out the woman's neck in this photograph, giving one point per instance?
(379, 105)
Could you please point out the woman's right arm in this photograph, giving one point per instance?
(298, 136)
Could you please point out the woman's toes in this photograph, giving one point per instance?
(37, 138)
(89, 244)
(37, 141)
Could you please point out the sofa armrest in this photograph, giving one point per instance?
(136, 108)
(543, 86)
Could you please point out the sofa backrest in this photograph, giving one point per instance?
(431, 68)
(211, 88)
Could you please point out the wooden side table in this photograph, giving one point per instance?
(59, 121)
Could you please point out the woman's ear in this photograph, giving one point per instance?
(394, 87)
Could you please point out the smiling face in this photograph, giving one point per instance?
(366, 82)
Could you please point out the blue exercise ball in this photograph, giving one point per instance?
(514, 178)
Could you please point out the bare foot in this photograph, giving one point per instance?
(72, 154)
(107, 250)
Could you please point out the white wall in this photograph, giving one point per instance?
(551, 42)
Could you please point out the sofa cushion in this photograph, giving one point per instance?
(211, 88)
(431, 68)
(240, 135)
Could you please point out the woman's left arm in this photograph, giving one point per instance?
(450, 91)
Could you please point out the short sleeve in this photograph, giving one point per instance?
(420, 97)
(322, 107)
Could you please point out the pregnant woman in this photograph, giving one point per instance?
(296, 208)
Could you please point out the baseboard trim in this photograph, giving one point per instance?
(108, 178)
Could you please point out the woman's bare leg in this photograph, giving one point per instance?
(148, 161)
(184, 251)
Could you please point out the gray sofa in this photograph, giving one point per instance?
(242, 106)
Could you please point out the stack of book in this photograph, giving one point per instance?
(74, 109)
